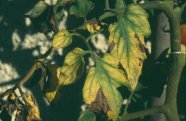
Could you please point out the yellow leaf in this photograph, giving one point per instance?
(92, 27)
(51, 87)
(62, 39)
(128, 38)
(52, 96)
(105, 77)
(33, 110)
(72, 68)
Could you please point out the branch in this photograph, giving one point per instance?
(83, 39)
(30, 73)
(141, 114)
(107, 4)
(35, 66)
(128, 102)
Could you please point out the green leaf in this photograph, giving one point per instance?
(127, 36)
(62, 39)
(120, 4)
(74, 10)
(106, 15)
(87, 116)
(73, 67)
(82, 8)
(38, 9)
(100, 86)
(63, 3)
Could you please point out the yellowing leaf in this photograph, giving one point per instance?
(100, 91)
(52, 95)
(92, 27)
(33, 110)
(62, 39)
(72, 68)
(127, 35)
(52, 85)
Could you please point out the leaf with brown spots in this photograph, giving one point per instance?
(128, 34)
(100, 88)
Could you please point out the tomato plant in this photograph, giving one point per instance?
(126, 26)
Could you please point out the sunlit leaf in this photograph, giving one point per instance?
(52, 96)
(72, 68)
(127, 34)
(87, 116)
(100, 86)
(33, 110)
(92, 27)
(62, 39)
(82, 7)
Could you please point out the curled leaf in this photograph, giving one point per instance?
(51, 87)
(92, 27)
(52, 96)
(38, 9)
(33, 110)
(72, 68)
(62, 39)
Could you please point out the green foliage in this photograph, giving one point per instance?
(81, 8)
(87, 116)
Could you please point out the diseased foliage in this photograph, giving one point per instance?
(125, 27)
(120, 67)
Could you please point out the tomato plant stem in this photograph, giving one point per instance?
(176, 65)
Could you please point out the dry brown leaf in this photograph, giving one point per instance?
(33, 110)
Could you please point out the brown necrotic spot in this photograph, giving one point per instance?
(100, 104)
(142, 47)
(111, 46)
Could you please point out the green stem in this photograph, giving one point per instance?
(55, 20)
(176, 66)
(128, 102)
(34, 67)
(142, 114)
(46, 54)
(83, 39)
(107, 6)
